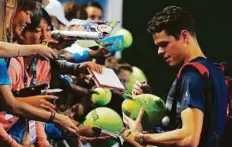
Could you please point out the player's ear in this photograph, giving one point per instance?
(185, 36)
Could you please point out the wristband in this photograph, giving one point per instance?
(141, 138)
(52, 116)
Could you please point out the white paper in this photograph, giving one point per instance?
(81, 34)
(32, 131)
(108, 78)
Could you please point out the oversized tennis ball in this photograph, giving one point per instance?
(104, 118)
(130, 108)
(102, 96)
(153, 106)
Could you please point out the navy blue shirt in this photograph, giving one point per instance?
(192, 94)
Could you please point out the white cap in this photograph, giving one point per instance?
(55, 8)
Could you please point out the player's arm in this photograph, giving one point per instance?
(192, 108)
(188, 135)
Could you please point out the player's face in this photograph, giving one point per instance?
(171, 49)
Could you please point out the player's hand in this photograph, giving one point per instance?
(134, 125)
(140, 88)
(130, 137)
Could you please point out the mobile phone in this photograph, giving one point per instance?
(30, 91)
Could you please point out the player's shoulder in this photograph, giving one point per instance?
(194, 71)
(191, 74)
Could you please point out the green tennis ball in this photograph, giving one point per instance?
(153, 106)
(137, 75)
(102, 97)
(104, 118)
(131, 108)
(128, 39)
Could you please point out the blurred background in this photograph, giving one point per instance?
(213, 31)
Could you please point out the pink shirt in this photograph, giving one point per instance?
(17, 73)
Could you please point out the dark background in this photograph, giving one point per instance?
(214, 28)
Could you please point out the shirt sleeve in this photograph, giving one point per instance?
(78, 58)
(192, 90)
(65, 67)
(4, 79)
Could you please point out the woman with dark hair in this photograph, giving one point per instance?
(39, 31)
